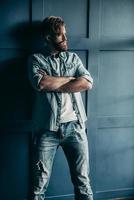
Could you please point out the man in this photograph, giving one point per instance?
(58, 77)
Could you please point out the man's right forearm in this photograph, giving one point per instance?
(51, 83)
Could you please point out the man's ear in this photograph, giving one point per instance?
(48, 38)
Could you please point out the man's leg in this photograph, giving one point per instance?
(76, 150)
(45, 146)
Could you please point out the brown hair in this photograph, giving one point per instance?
(51, 25)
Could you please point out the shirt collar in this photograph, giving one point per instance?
(60, 54)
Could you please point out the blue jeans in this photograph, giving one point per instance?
(73, 140)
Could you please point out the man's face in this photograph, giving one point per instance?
(59, 41)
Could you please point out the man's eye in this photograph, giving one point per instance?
(58, 35)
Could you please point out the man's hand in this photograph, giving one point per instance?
(40, 71)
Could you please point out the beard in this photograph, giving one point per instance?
(60, 46)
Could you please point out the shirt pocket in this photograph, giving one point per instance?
(70, 69)
(46, 68)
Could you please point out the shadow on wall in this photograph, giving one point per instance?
(16, 91)
(28, 36)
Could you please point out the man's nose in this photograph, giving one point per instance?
(64, 37)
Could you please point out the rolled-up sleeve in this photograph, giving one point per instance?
(81, 71)
(33, 71)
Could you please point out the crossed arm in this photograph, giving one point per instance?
(63, 84)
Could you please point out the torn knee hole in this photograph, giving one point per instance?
(41, 167)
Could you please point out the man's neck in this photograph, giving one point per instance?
(52, 51)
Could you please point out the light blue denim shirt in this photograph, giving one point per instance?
(47, 105)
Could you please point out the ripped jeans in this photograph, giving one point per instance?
(73, 140)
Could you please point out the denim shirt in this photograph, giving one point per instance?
(47, 105)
